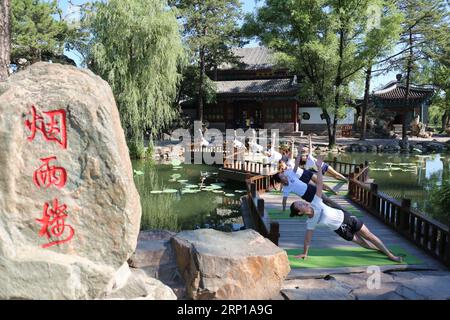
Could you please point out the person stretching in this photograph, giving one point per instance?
(293, 184)
(348, 227)
(287, 168)
(326, 168)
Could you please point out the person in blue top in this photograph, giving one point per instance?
(346, 226)
(296, 180)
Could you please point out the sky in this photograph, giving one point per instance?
(248, 6)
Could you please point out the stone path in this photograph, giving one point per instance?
(430, 280)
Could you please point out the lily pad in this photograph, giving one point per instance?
(240, 191)
(170, 191)
(220, 184)
(138, 172)
(229, 195)
(156, 192)
(189, 191)
(176, 162)
(189, 186)
(214, 187)
(217, 191)
(176, 176)
(183, 181)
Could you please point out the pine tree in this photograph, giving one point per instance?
(36, 33)
(422, 18)
(210, 29)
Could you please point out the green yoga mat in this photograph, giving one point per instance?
(339, 193)
(276, 214)
(275, 192)
(340, 257)
(354, 211)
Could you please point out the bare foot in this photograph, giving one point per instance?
(396, 259)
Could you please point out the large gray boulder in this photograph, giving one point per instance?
(103, 209)
(139, 286)
(237, 265)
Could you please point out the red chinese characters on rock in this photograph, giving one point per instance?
(48, 175)
(53, 223)
(52, 126)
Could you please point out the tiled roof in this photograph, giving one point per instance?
(251, 59)
(267, 86)
(396, 90)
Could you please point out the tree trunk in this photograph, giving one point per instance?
(408, 79)
(330, 131)
(338, 83)
(365, 103)
(201, 85)
(5, 39)
(444, 120)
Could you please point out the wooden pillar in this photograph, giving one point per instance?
(373, 196)
(351, 185)
(253, 189)
(404, 215)
(296, 126)
(274, 233)
(447, 259)
(261, 207)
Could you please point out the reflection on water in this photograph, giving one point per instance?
(174, 198)
(407, 176)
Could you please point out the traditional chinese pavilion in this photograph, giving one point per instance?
(256, 92)
(392, 98)
(252, 92)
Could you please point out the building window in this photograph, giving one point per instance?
(306, 116)
(279, 114)
(214, 113)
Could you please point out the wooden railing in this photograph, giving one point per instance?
(344, 168)
(256, 185)
(248, 166)
(427, 233)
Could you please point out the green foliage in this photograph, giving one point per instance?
(327, 42)
(137, 48)
(157, 211)
(431, 52)
(79, 37)
(189, 86)
(35, 32)
(210, 29)
(149, 150)
(136, 149)
(440, 199)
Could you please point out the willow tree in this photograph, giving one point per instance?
(137, 49)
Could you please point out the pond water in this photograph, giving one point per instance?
(407, 176)
(173, 197)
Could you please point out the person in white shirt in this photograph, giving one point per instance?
(296, 180)
(348, 227)
(273, 156)
(326, 168)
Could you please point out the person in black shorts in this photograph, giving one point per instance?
(345, 225)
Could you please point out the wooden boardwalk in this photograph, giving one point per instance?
(292, 231)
